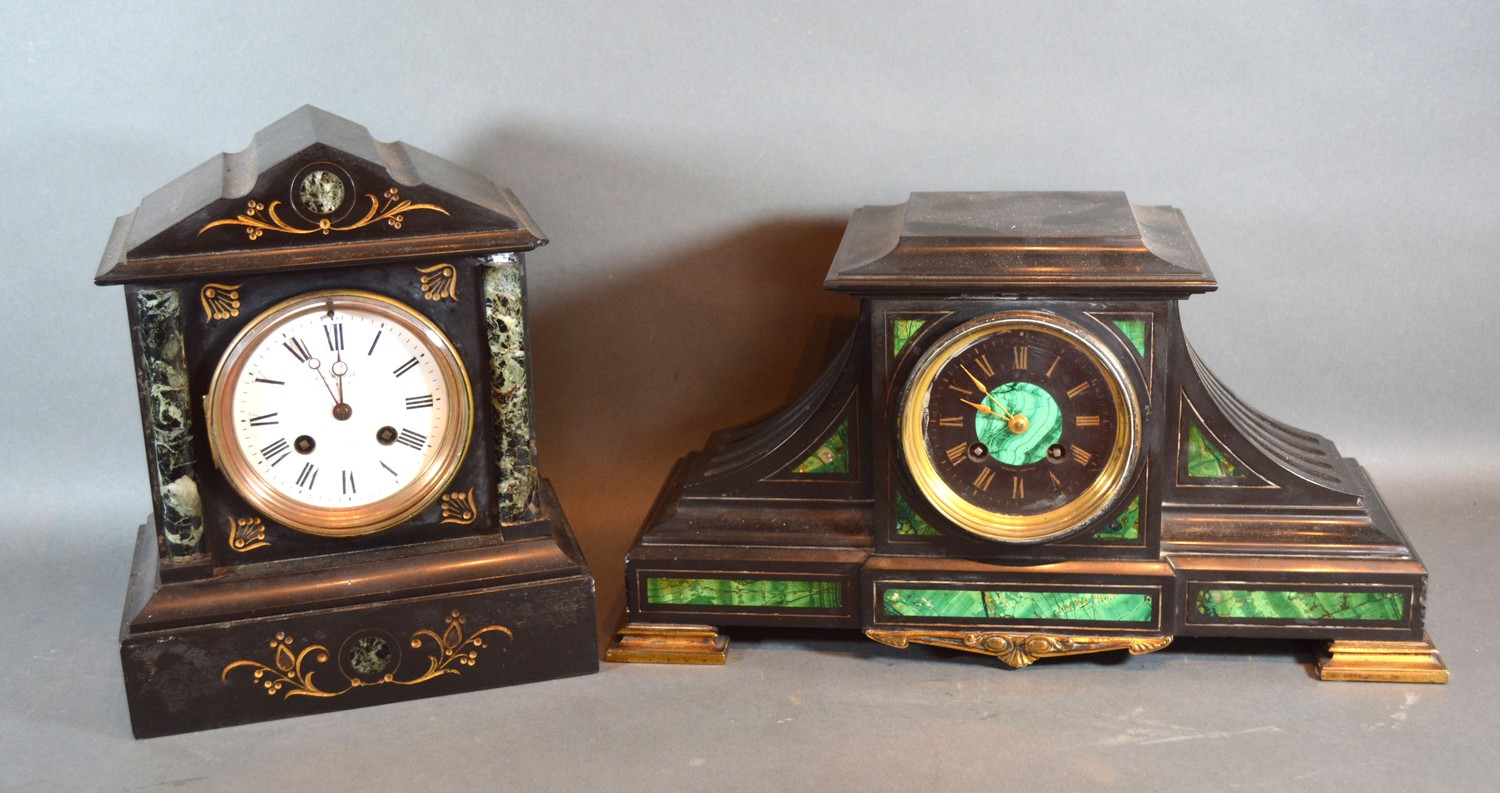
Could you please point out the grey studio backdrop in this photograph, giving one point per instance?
(694, 164)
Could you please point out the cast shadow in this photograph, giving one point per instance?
(853, 644)
(646, 337)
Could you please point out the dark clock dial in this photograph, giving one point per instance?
(1020, 427)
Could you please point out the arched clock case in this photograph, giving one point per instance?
(1018, 453)
(333, 366)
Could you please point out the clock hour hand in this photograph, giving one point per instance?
(981, 407)
(1015, 421)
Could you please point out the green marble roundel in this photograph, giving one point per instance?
(1042, 413)
(322, 192)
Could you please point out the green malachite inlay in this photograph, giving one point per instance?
(745, 593)
(1135, 330)
(902, 331)
(909, 523)
(1295, 605)
(830, 458)
(1018, 605)
(510, 393)
(171, 420)
(1042, 413)
(1205, 461)
(1126, 526)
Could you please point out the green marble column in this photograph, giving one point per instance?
(510, 387)
(164, 384)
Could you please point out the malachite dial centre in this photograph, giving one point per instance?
(1043, 424)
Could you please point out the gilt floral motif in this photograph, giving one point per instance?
(259, 218)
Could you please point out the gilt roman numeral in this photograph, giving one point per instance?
(986, 476)
(1078, 389)
(1086, 421)
(951, 422)
(984, 366)
(1080, 455)
(1019, 353)
(957, 453)
(1017, 487)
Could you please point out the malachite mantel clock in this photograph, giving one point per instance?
(333, 367)
(1018, 454)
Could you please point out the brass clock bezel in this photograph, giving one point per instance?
(1100, 495)
(396, 508)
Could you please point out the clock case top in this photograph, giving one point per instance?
(1019, 244)
(165, 237)
(1290, 512)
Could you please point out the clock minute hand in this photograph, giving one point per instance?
(1002, 413)
(316, 365)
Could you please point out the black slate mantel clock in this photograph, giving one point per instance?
(333, 364)
(1018, 454)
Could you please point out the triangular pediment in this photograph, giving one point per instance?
(313, 190)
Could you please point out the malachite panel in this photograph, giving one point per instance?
(510, 386)
(1043, 429)
(1018, 605)
(830, 458)
(1205, 460)
(745, 593)
(1135, 330)
(1298, 605)
(1125, 527)
(909, 523)
(902, 331)
(164, 366)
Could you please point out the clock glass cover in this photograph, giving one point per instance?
(339, 413)
(1020, 427)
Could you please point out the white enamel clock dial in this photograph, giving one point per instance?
(339, 413)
